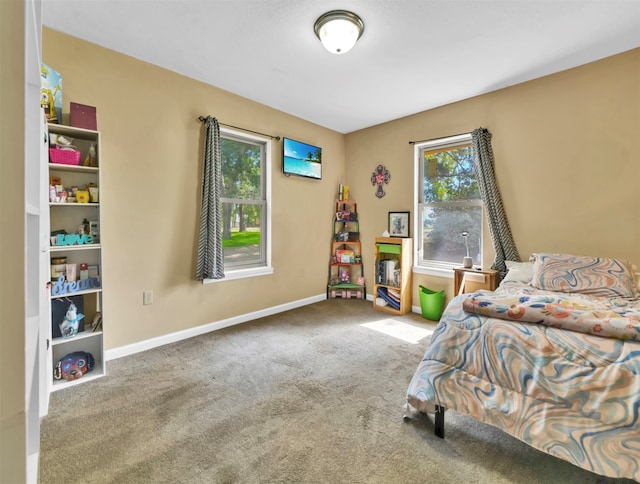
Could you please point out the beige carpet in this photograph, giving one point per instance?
(307, 396)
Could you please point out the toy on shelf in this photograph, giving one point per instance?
(344, 273)
(74, 366)
(71, 322)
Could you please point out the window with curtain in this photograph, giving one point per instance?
(448, 203)
(244, 200)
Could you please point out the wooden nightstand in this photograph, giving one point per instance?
(474, 280)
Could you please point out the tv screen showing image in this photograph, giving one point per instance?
(301, 159)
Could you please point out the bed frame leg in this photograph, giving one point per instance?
(439, 423)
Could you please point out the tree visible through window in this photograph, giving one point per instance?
(243, 202)
(449, 203)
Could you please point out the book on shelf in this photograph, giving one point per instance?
(387, 274)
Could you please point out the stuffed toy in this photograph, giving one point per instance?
(74, 365)
(71, 321)
(344, 273)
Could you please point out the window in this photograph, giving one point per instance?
(448, 203)
(245, 203)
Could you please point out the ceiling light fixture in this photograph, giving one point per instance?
(339, 30)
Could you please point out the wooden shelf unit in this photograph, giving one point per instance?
(346, 236)
(398, 250)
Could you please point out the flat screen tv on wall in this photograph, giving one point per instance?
(301, 159)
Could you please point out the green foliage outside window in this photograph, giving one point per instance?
(450, 205)
(242, 181)
(242, 201)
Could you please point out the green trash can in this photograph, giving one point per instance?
(431, 303)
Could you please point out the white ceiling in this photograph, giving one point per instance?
(414, 55)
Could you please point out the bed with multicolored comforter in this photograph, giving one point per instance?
(552, 358)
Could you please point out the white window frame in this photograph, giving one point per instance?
(265, 268)
(435, 268)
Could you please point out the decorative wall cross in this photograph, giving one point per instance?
(378, 177)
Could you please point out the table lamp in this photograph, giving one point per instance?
(467, 262)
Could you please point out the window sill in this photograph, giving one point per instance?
(434, 271)
(242, 274)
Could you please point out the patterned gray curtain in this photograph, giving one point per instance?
(503, 244)
(210, 254)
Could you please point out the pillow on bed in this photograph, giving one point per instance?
(596, 276)
(518, 272)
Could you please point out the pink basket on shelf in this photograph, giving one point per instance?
(64, 157)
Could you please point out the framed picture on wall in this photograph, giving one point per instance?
(399, 224)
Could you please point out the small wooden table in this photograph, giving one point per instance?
(470, 280)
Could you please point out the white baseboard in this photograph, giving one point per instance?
(32, 468)
(148, 344)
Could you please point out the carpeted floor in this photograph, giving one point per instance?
(306, 396)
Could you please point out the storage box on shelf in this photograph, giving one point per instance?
(76, 258)
(393, 276)
(346, 272)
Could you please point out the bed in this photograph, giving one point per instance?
(552, 357)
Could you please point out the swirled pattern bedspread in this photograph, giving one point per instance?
(573, 395)
(611, 318)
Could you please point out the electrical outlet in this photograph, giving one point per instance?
(147, 298)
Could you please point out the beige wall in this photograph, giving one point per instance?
(566, 160)
(151, 153)
(12, 243)
(564, 147)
